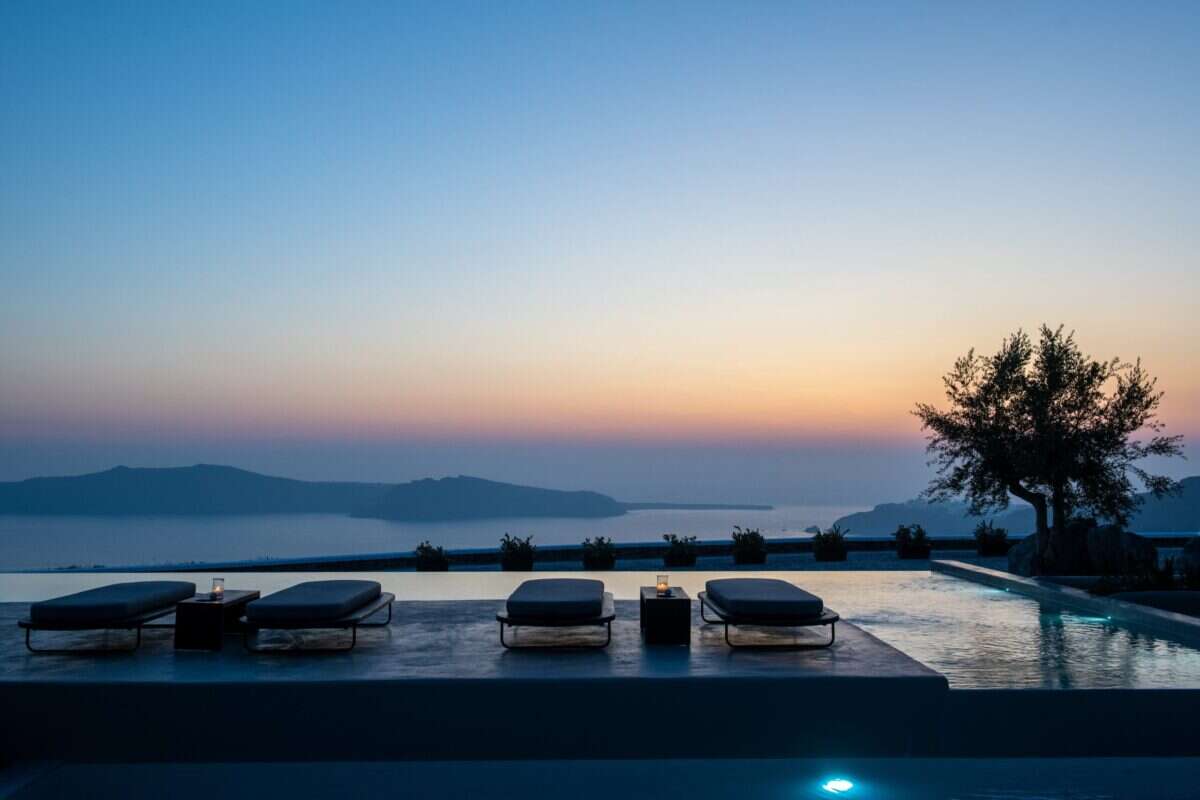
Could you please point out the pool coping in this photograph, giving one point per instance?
(1170, 624)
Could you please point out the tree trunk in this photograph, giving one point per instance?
(1058, 532)
(1038, 501)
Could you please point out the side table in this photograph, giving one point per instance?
(666, 619)
(201, 624)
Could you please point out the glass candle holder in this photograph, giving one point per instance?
(218, 589)
(662, 585)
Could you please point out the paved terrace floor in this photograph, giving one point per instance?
(455, 640)
(437, 684)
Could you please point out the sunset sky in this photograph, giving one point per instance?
(669, 251)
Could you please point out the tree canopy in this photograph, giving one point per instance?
(1049, 425)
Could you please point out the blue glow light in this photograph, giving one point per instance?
(837, 785)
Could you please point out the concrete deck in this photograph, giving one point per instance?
(437, 684)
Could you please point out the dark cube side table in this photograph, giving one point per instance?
(666, 620)
(200, 623)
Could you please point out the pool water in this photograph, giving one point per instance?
(977, 636)
(980, 637)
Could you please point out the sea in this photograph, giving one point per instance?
(39, 542)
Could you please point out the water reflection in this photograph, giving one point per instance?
(984, 638)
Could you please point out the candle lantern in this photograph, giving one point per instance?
(663, 586)
(218, 589)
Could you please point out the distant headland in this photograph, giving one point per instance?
(1170, 514)
(206, 489)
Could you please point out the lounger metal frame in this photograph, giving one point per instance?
(605, 619)
(354, 620)
(131, 623)
(727, 618)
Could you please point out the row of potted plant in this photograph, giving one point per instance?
(749, 547)
(516, 554)
(912, 542)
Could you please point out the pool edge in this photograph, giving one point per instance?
(1169, 624)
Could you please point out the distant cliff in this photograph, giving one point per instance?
(202, 489)
(475, 498)
(1179, 513)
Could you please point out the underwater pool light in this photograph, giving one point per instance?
(837, 785)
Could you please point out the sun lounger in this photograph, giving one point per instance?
(765, 602)
(317, 605)
(559, 603)
(118, 606)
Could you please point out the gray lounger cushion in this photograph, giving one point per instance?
(557, 598)
(763, 598)
(313, 601)
(113, 602)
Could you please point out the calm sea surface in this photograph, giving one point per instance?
(33, 542)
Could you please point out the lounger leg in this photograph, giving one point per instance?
(789, 646)
(706, 619)
(600, 646)
(505, 644)
(379, 624)
(82, 650)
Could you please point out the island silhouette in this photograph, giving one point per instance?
(209, 489)
(464, 497)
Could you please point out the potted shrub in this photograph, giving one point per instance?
(912, 542)
(830, 545)
(1189, 574)
(681, 550)
(599, 553)
(431, 559)
(516, 554)
(749, 546)
(990, 540)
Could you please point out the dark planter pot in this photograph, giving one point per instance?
(992, 548)
(838, 554)
(749, 558)
(433, 565)
(516, 564)
(680, 560)
(599, 562)
(913, 553)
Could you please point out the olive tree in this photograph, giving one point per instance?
(1051, 426)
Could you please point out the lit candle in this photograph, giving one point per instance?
(663, 587)
(218, 589)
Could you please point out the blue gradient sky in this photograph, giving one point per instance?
(693, 248)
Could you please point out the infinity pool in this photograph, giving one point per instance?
(978, 637)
